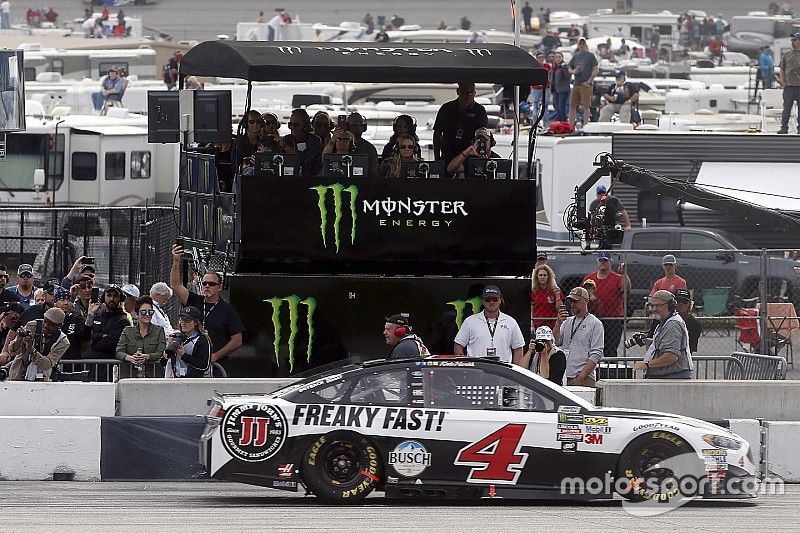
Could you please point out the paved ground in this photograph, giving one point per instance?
(209, 506)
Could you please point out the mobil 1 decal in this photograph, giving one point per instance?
(351, 416)
(253, 432)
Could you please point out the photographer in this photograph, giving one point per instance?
(481, 148)
(668, 355)
(544, 358)
(9, 316)
(188, 355)
(141, 343)
(38, 347)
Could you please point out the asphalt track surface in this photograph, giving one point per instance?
(209, 506)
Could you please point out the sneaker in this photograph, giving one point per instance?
(783, 131)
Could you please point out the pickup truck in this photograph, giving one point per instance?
(711, 262)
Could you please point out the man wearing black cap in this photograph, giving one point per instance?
(619, 98)
(104, 328)
(541, 259)
(490, 333)
(684, 299)
(398, 334)
(24, 288)
(789, 79)
(357, 125)
(81, 268)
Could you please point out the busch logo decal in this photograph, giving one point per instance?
(294, 302)
(337, 189)
(460, 306)
(409, 458)
(253, 432)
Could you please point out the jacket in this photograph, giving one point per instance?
(52, 351)
(131, 341)
(105, 333)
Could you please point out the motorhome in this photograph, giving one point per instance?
(748, 33)
(84, 63)
(639, 26)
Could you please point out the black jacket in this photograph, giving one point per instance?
(74, 328)
(105, 333)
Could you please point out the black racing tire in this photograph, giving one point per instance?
(643, 453)
(342, 467)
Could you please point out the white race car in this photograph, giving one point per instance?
(464, 428)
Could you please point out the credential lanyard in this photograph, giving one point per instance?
(489, 326)
(575, 328)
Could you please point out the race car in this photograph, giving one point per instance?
(460, 427)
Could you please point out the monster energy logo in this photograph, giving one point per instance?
(337, 189)
(461, 306)
(294, 303)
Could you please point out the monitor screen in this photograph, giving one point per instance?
(163, 117)
(278, 165)
(212, 116)
(345, 165)
(477, 168)
(423, 169)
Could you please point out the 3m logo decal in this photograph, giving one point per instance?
(337, 190)
(253, 432)
(475, 305)
(294, 302)
(593, 438)
(496, 458)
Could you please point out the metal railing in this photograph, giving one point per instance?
(713, 367)
(108, 370)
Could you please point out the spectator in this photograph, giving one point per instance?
(73, 326)
(583, 67)
(405, 153)
(789, 79)
(357, 125)
(37, 310)
(270, 134)
(341, 142)
(131, 293)
(304, 143)
(456, 123)
(560, 87)
(624, 51)
(491, 333)
(668, 355)
(612, 288)
(219, 317)
(142, 342)
(715, 47)
(369, 22)
(398, 333)
(273, 26)
(620, 98)
(83, 294)
(539, 92)
(684, 299)
(5, 15)
(402, 125)
(38, 296)
(527, 13)
(544, 358)
(545, 298)
(36, 353)
(80, 268)
(110, 89)
(766, 68)
(594, 303)
(192, 83)
(573, 33)
(481, 148)
(382, 36)
(171, 70)
(466, 24)
(193, 357)
(612, 207)
(551, 41)
(247, 144)
(5, 294)
(9, 317)
(671, 281)
(581, 336)
(541, 259)
(323, 126)
(160, 293)
(104, 328)
(24, 288)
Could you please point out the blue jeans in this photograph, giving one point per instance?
(561, 106)
(97, 101)
(539, 97)
(791, 94)
(5, 21)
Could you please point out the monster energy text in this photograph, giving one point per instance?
(294, 302)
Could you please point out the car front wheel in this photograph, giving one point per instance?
(342, 467)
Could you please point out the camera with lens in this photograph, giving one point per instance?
(177, 341)
(23, 332)
(539, 347)
(637, 339)
(3, 373)
(483, 147)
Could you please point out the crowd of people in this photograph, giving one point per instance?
(73, 320)
(103, 26)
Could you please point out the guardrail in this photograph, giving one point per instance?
(622, 367)
(108, 370)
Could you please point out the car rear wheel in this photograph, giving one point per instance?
(650, 467)
(342, 467)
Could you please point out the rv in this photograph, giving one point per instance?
(94, 64)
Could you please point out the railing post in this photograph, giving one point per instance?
(65, 266)
(762, 314)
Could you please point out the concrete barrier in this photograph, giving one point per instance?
(706, 399)
(171, 397)
(38, 398)
(585, 393)
(35, 447)
(782, 458)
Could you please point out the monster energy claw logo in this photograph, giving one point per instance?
(294, 303)
(461, 305)
(338, 189)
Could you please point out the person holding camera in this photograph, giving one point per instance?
(8, 317)
(481, 148)
(581, 335)
(188, 355)
(340, 143)
(38, 347)
(668, 354)
(82, 267)
(141, 343)
(544, 358)
(104, 328)
(398, 333)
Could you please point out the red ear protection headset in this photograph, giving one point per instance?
(402, 331)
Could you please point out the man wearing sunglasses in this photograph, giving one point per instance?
(24, 288)
(490, 333)
(220, 318)
(668, 354)
(303, 142)
(5, 294)
(789, 79)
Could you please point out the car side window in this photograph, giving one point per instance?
(370, 388)
(698, 241)
(473, 388)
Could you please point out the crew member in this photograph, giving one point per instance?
(398, 333)
(456, 123)
(612, 205)
(491, 333)
(668, 355)
(480, 148)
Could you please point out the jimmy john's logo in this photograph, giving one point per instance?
(409, 458)
(294, 303)
(253, 432)
(474, 305)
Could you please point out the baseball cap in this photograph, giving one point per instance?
(116, 289)
(129, 289)
(541, 255)
(589, 282)
(23, 268)
(491, 291)
(355, 119)
(796, 35)
(400, 319)
(619, 73)
(485, 132)
(683, 295)
(581, 40)
(601, 189)
(604, 255)
(664, 296)
(544, 333)
(50, 286)
(61, 294)
(87, 267)
(578, 293)
(54, 315)
(668, 260)
(191, 312)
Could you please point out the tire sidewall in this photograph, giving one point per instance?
(627, 467)
(370, 471)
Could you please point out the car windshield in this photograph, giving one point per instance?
(739, 243)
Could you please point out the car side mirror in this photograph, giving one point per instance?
(725, 257)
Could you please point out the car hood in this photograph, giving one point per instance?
(656, 416)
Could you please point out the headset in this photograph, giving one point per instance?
(320, 113)
(672, 305)
(274, 116)
(396, 147)
(403, 329)
(412, 123)
(307, 127)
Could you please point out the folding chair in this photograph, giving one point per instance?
(114, 100)
(747, 329)
(715, 304)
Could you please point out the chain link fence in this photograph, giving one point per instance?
(744, 300)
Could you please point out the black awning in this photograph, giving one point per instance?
(364, 62)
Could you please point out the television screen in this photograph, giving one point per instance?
(212, 116)
(423, 169)
(163, 117)
(477, 168)
(345, 165)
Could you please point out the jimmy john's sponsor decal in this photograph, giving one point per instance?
(368, 417)
(656, 425)
(409, 458)
(565, 418)
(595, 420)
(569, 437)
(597, 429)
(253, 432)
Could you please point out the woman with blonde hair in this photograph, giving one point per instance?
(405, 152)
(545, 297)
